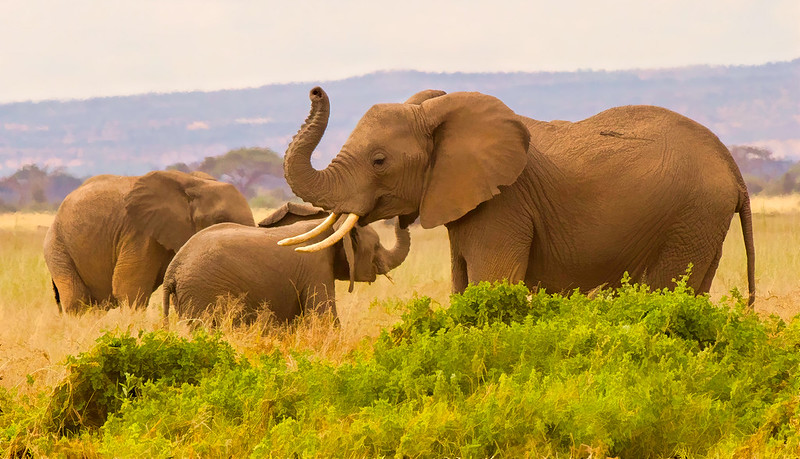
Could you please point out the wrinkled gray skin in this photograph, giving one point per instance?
(113, 237)
(558, 205)
(236, 260)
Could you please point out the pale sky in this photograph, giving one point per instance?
(84, 48)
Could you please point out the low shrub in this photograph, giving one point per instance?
(502, 372)
(118, 365)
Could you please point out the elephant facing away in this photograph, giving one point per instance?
(113, 237)
(559, 205)
(247, 262)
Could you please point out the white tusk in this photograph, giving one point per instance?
(319, 229)
(348, 224)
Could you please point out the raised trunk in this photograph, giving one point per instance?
(306, 182)
(394, 257)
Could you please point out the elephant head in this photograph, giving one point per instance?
(360, 256)
(171, 206)
(437, 156)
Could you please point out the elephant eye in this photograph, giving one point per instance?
(378, 160)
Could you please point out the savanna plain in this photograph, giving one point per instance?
(36, 343)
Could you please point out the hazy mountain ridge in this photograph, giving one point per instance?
(132, 134)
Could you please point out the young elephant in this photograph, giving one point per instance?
(248, 262)
(113, 237)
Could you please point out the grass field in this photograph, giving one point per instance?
(35, 339)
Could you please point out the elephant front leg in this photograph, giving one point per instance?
(320, 299)
(489, 257)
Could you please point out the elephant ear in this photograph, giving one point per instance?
(158, 206)
(290, 213)
(422, 96)
(479, 145)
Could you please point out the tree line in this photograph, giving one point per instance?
(258, 174)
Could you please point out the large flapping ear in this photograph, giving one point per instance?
(292, 212)
(422, 96)
(479, 144)
(158, 206)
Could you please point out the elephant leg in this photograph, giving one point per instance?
(676, 255)
(319, 299)
(72, 294)
(459, 276)
(490, 257)
(705, 286)
(136, 274)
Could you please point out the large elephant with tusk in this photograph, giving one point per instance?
(560, 205)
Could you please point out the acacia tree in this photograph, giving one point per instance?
(245, 168)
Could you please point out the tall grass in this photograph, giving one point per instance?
(35, 339)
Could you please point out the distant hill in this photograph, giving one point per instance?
(750, 105)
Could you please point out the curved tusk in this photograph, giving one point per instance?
(327, 223)
(348, 224)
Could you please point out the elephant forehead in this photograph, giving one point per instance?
(385, 116)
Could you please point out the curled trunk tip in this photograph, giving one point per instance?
(305, 181)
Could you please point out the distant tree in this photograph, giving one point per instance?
(787, 183)
(60, 184)
(30, 182)
(182, 167)
(244, 167)
(248, 169)
(762, 171)
(34, 187)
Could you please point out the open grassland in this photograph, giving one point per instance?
(35, 339)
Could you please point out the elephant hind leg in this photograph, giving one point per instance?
(57, 296)
(705, 286)
(138, 272)
(676, 255)
(71, 294)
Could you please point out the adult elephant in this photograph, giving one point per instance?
(247, 262)
(113, 237)
(561, 205)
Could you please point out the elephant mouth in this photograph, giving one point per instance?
(388, 206)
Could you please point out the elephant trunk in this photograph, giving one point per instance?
(306, 182)
(396, 255)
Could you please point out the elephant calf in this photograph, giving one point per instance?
(113, 237)
(247, 262)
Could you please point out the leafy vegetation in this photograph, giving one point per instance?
(502, 372)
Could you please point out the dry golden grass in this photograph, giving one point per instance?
(35, 339)
(783, 204)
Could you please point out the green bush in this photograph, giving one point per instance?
(502, 372)
(117, 367)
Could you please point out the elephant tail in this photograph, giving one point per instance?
(746, 218)
(58, 297)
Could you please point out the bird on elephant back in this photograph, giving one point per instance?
(560, 205)
(113, 237)
(231, 260)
